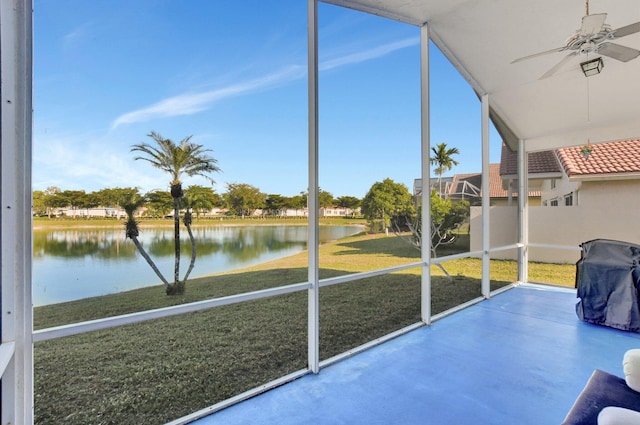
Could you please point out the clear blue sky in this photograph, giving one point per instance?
(233, 75)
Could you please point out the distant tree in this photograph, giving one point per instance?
(443, 160)
(117, 196)
(187, 158)
(78, 199)
(53, 198)
(52, 190)
(200, 198)
(275, 204)
(159, 203)
(243, 199)
(387, 201)
(325, 199)
(38, 206)
(446, 218)
(91, 201)
(348, 202)
(297, 202)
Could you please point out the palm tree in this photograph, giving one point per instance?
(177, 159)
(443, 161)
(130, 205)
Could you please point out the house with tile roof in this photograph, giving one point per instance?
(468, 187)
(566, 177)
(542, 167)
(610, 174)
(597, 196)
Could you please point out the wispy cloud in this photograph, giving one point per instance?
(59, 162)
(366, 55)
(76, 37)
(191, 103)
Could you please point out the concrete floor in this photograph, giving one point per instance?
(521, 357)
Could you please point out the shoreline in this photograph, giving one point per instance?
(158, 223)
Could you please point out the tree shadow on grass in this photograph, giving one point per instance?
(400, 246)
(391, 245)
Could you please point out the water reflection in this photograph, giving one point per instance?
(104, 244)
(80, 263)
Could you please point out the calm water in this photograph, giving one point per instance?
(82, 263)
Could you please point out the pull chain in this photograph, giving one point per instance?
(588, 103)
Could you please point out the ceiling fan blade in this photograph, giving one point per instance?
(592, 24)
(535, 55)
(626, 30)
(557, 66)
(619, 52)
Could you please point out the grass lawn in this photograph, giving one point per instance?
(67, 222)
(156, 371)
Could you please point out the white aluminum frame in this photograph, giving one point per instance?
(16, 350)
(486, 198)
(312, 198)
(523, 213)
(425, 143)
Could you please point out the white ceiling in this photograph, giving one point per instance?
(483, 37)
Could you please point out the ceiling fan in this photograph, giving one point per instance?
(594, 36)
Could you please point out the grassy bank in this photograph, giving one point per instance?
(66, 222)
(153, 372)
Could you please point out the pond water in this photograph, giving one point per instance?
(82, 263)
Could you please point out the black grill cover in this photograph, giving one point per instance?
(608, 280)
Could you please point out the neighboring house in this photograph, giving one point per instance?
(598, 198)
(100, 212)
(469, 187)
(465, 186)
(610, 176)
(542, 167)
(436, 184)
(294, 212)
(565, 177)
(338, 212)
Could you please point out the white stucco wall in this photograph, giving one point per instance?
(613, 194)
(562, 188)
(599, 217)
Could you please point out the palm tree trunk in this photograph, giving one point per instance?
(149, 261)
(187, 223)
(176, 247)
(178, 287)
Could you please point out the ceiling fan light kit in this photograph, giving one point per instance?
(592, 67)
(593, 37)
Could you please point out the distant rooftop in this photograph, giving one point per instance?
(538, 162)
(469, 185)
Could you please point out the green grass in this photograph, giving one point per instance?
(156, 371)
(67, 222)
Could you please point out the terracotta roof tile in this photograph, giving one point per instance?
(605, 158)
(539, 162)
(495, 184)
